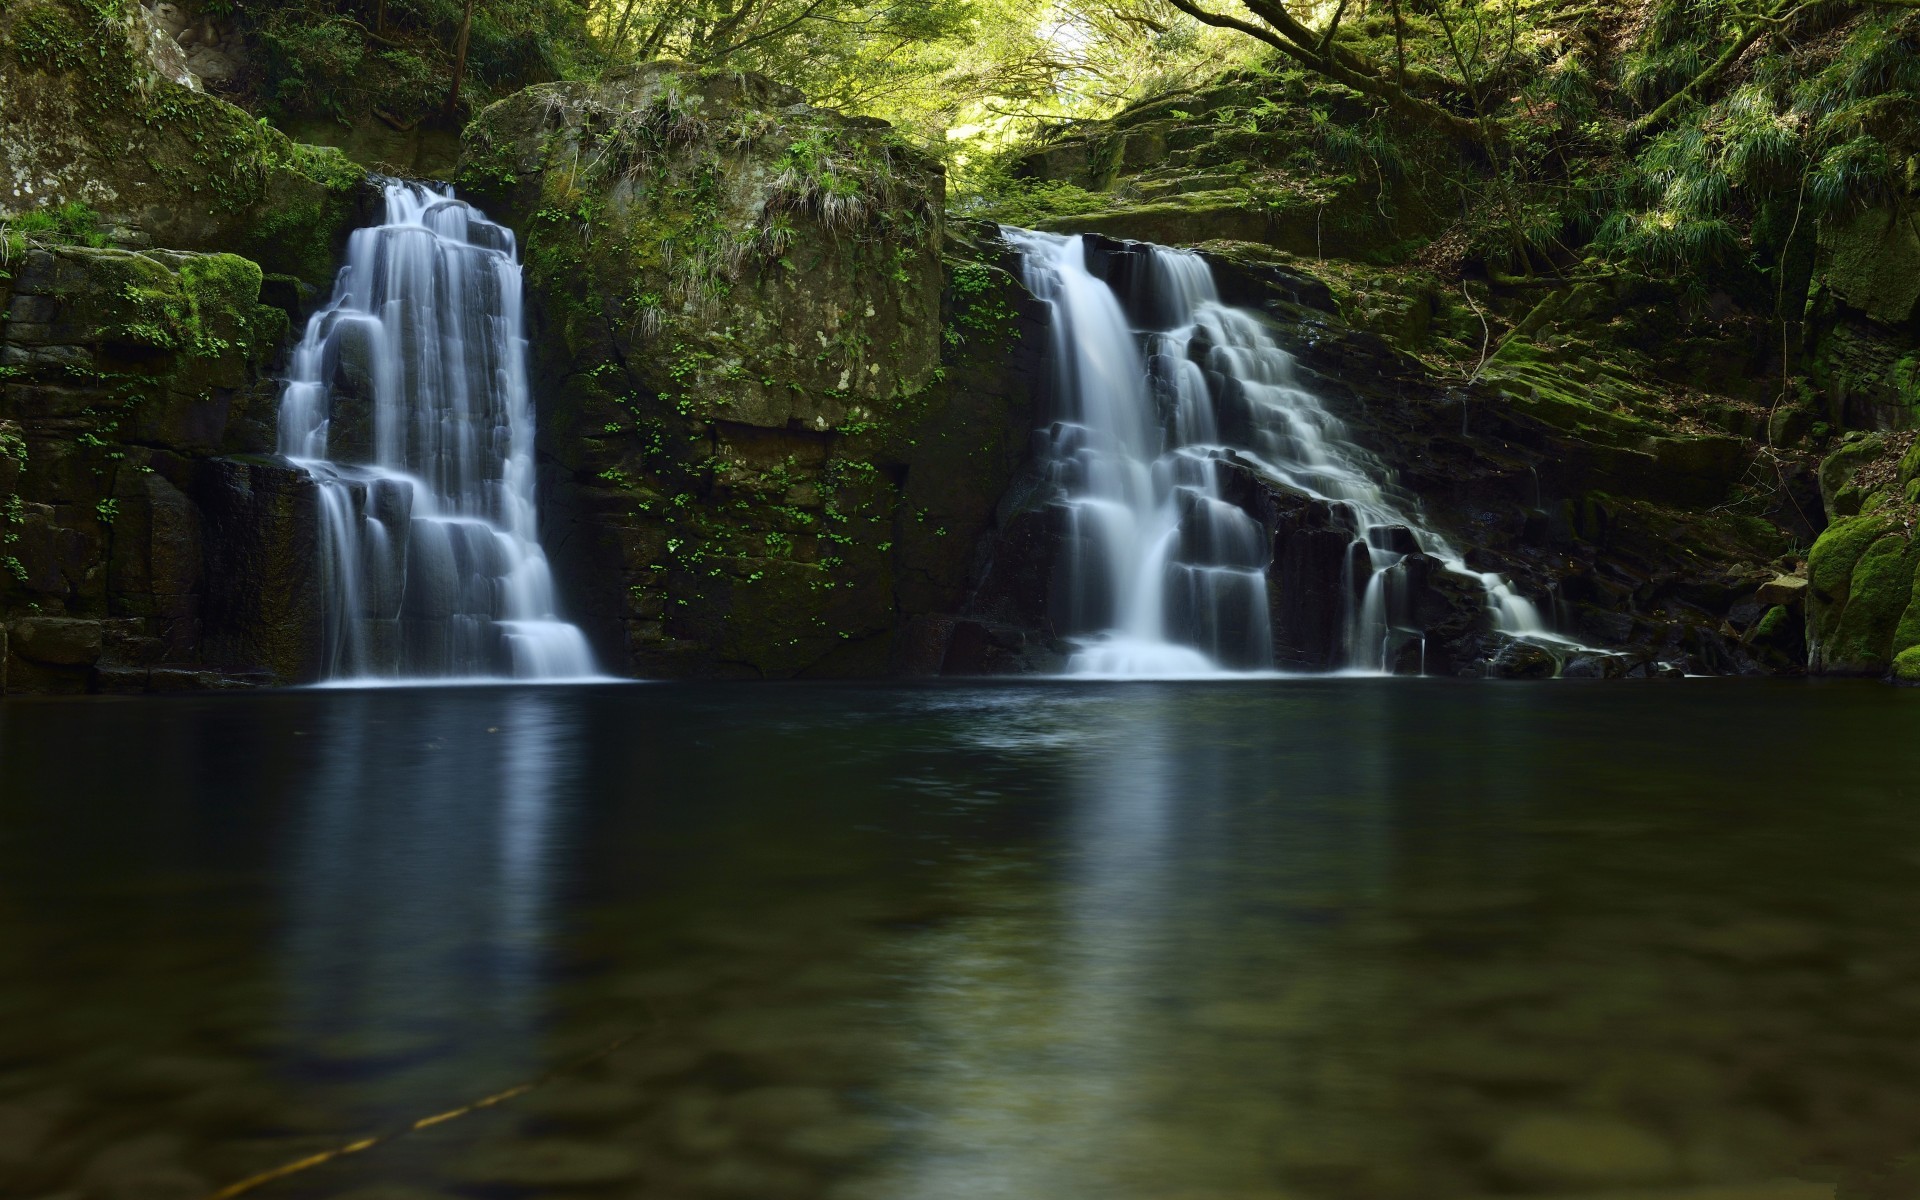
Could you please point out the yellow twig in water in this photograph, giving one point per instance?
(358, 1145)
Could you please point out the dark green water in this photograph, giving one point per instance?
(1342, 939)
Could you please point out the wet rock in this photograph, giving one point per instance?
(1569, 1152)
(548, 1162)
(1595, 666)
(57, 641)
(1520, 660)
(906, 438)
(1788, 590)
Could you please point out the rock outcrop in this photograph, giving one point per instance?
(90, 115)
(777, 400)
(145, 543)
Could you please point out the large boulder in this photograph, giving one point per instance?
(774, 413)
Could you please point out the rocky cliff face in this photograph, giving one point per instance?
(90, 114)
(145, 540)
(144, 543)
(777, 401)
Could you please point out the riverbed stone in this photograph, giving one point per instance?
(1787, 590)
(1573, 1151)
(143, 1168)
(843, 1140)
(548, 1162)
(24, 1132)
(581, 1102)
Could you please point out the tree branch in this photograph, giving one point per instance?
(1762, 24)
(1296, 41)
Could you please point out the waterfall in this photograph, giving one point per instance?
(1165, 575)
(408, 403)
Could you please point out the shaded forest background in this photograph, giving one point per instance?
(1676, 136)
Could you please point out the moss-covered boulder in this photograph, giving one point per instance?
(1872, 262)
(86, 117)
(772, 416)
(1863, 597)
(1278, 157)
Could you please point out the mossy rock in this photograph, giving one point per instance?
(89, 120)
(1873, 263)
(1861, 582)
(742, 317)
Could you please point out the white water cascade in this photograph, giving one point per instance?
(1167, 576)
(408, 402)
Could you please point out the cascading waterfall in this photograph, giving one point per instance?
(1166, 576)
(408, 403)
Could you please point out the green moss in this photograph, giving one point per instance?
(46, 37)
(1774, 622)
(1906, 666)
(1582, 397)
(1861, 577)
(188, 169)
(305, 210)
(206, 308)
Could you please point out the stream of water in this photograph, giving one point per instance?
(1167, 577)
(408, 402)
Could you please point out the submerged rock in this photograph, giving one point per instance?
(549, 1162)
(1569, 1152)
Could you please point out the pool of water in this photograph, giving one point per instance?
(1348, 939)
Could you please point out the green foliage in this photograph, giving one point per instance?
(69, 224)
(1760, 166)
(327, 59)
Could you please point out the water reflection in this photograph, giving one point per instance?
(1346, 940)
(1123, 1023)
(420, 884)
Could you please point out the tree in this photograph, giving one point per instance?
(1324, 53)
(460, 43)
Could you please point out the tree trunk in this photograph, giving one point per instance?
(460, 61)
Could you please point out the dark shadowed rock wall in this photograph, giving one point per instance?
(145, 542)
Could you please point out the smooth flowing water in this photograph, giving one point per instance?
(408, 402)
(1167, 576)
(1334, 939)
